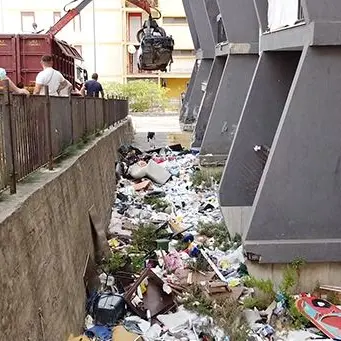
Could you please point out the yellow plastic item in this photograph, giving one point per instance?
(114, 243)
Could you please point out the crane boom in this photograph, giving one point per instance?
(144, 4)
(64, 20)
(71, 14)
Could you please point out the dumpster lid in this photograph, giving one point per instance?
(68, 50)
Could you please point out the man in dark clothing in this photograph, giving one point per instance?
(92, 88)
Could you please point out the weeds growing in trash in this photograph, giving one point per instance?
(115, 263)
(221, 235)
(204, 176)
(158, 204)
(144, 238)
(265, 293)
(199, 264)
(227, 314)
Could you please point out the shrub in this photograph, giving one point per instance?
(144, 95)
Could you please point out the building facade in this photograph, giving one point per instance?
(278, 133)
(103, 32)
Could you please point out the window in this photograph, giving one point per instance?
(27, 20)
(77, 23)
(56, 17)
(134, 25)
(175, 20)
(183, 53)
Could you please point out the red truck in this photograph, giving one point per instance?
(20, 56)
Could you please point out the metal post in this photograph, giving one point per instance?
(85, 131)
(71, 118)
(104, 103)
(94, 34)
(9, 133)
(48, 128)
(2, 16)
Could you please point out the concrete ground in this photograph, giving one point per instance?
(166, 128)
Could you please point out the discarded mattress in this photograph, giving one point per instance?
(151, 170)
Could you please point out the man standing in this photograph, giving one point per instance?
(12, 86)
(92, 87)
(51, 78)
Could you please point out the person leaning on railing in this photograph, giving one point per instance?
(12, 86)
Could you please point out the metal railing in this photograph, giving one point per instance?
(36, 130)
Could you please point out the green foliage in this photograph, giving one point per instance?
(260, 302)
(114, 263)
(265, 293)
(290, 280)
(298, 320)
(158, 204)
(181, 246)
(144, 95)
(333, 298)
(227, 314)
(199, 264)
(264, 286)
(144, 238)
(204, 177)
(137, 262)
(219, 231)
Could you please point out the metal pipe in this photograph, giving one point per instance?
(94, 33)
(2, 16)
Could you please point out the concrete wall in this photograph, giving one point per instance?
(45, 238)
(310, 274)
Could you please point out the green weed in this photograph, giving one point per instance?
(221, 235)
(159, 204)
(206, 177)
(114, 263)
(227, 314)
(144, 238)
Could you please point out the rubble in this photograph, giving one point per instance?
(174, 272)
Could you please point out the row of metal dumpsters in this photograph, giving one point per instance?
(20, 56)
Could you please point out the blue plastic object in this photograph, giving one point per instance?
(101, 332)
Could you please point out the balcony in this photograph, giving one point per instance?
(283, 14)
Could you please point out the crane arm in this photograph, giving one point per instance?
(71, 14)
(144, 4)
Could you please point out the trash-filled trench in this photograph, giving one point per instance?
(172, 271)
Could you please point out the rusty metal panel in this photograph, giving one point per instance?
(30, 132)
(90, 115)
(3, 168)
(61, 125)
(99, 113)
(78, 118)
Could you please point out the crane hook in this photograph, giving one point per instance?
(65, 7)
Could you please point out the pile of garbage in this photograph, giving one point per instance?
(173, 272)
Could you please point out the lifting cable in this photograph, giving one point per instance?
(68, 4)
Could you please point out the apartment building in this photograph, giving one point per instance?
(105, 32)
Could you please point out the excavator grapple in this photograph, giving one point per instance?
(156, 48)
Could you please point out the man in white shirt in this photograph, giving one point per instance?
(52, 78)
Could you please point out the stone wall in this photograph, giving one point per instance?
(45, 238)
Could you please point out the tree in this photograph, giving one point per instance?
(144, 95)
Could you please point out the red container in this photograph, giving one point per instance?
(20, 55)
(8, 54)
